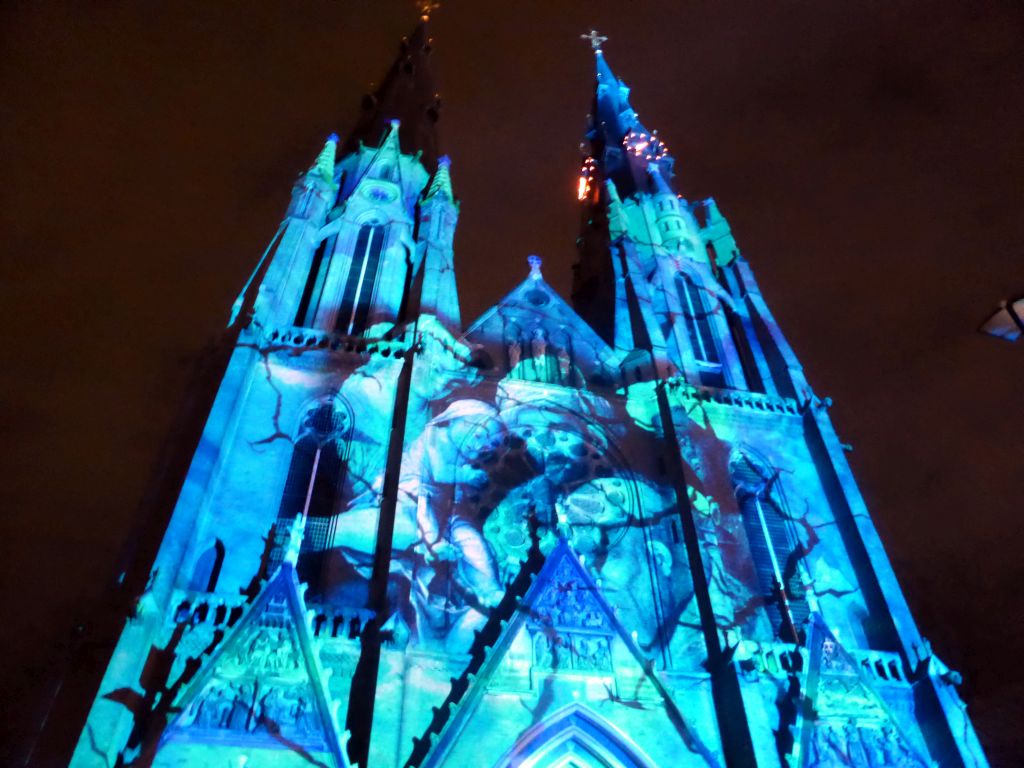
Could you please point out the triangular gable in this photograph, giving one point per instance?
(263, 687)
(567, 338)
(574, 632)
(845, 720)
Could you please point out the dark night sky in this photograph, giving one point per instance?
(867, 154)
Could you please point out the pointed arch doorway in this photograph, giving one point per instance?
(574, 737)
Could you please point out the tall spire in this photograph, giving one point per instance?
(406, 94)
(621, 145)
(625, 164)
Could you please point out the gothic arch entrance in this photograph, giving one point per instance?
(574, 737)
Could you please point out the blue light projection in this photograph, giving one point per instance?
(538, 541)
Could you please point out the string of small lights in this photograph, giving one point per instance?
(586, 177)
(646, 145)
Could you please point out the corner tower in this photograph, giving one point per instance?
(659, 275)
(768, 505)
(288, 503)
(363, 215)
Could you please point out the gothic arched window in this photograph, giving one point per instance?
(774, 547)
(361, 281)
(316, 474)
(206, 571)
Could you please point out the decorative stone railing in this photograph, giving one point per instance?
(301, 338)
(218, 611)
(754, 401)
(204, 608)
(334, 622)
(777, 659)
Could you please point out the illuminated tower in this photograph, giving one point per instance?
(307, 421)
(619, 533)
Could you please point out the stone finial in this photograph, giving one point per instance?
(534, 261)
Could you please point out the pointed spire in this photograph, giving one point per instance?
(620, 144)
(385, 160)
(613, 116)
(442, 183)
(392, 144)
(324, 164)
(407, 94)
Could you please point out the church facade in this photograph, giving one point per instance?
(616, 531)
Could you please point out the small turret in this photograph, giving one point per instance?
(439, 213)
(324, 165)
(314, 191)
(622, 146)
(671, 227)
(441, 186)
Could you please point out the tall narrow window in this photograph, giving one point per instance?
(743, 351)
(698, 329)
(362, 280)
(774, 547)
(698, 324)
(310, 300)
(315, 477)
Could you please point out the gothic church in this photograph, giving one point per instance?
(617, 531)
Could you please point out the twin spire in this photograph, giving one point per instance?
(627, 153)
(408, 94)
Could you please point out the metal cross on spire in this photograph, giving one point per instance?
(595, 40)
(427, 7)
